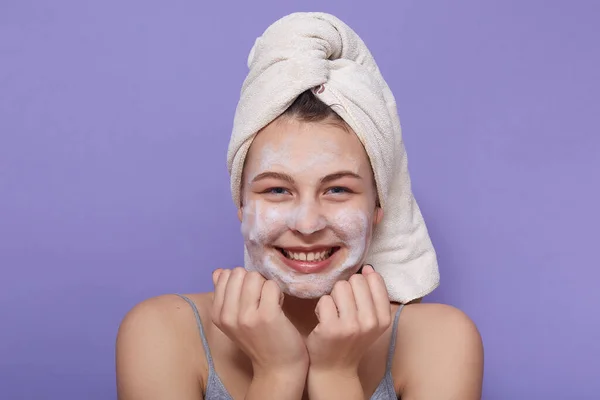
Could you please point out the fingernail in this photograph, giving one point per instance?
(367, 269)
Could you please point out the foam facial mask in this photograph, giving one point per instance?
(264, 224)
(307, 214)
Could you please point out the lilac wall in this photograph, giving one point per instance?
(114, 122)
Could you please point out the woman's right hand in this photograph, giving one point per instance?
(247, 308)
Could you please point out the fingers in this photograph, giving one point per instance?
(231, 303)
(251, 292)
(239, 293)
(367, 269)
(344, 300)
(366, 311)
(219, 297)
(215, 275)
(380, 296)
(362, 301)
(271, 297)
(326, 309)
(227, 295)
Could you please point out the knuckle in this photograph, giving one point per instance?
(334, 332)
(351, 329)
(370, 324)
(247, 320)
(266, 318)
(385, 321)
(216, 317)
(228, 321)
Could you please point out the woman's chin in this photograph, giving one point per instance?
(305, 294)
(306, 290)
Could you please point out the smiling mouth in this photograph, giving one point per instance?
(308, 256)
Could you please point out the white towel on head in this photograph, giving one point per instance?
(305, 50)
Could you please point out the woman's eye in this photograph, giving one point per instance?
(338, 190)
(276, 190)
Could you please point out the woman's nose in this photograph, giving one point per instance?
(307, 219)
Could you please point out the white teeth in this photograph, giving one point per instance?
(312, 257)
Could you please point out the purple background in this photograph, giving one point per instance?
(114, 123)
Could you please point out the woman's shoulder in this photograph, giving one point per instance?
(439, 352)
(429, 316)
(156, 335)
(168, 311)
(167, 315)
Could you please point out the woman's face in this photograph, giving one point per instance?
(309, 205)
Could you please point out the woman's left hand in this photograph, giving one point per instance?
(354, 316)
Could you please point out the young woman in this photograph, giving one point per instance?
(306, 318)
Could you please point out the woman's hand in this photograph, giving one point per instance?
(357, 313)
(247, 308)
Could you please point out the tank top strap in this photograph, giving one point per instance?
(201, 330)
(392, 349)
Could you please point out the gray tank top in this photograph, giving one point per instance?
(216, 391)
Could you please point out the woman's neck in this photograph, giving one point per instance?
(301, 313)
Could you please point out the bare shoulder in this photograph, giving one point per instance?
(439, 353)
(158, 350)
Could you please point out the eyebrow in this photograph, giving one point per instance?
(290, 180)
(273, 175)
(339, 175)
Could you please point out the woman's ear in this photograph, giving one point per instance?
(240, 212)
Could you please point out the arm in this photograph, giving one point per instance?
(277, 385)
(151, 362)
(247, 308)
(353, 317)
(441, 354)
(334, 386)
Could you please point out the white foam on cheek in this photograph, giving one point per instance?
(260, 223)
(355, 227)
(248, 223)
(261, 226)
